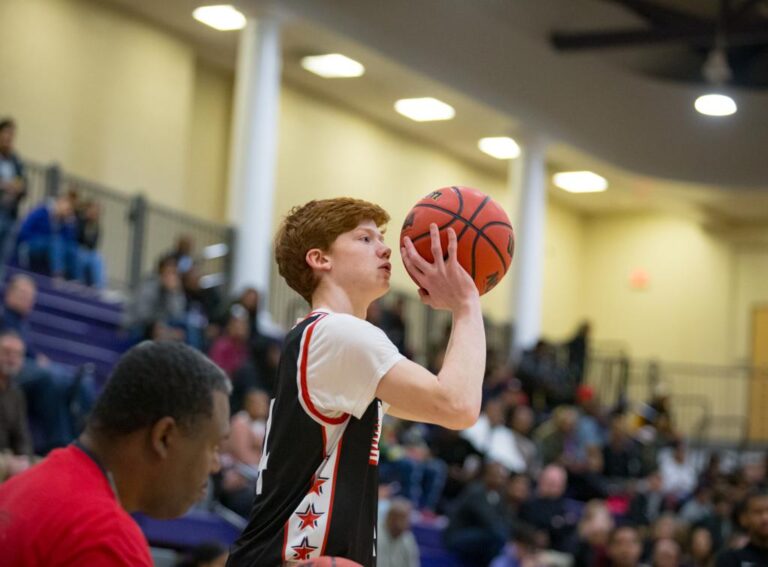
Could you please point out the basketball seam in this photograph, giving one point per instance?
(469, 224)
(457, 215)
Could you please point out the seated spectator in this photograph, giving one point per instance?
(698, 507)
(47, 388)
(207, 300)
(521, 551)
(249, 427)
(720, 522)
(478, 525)
(756, 522)
(396, 545)
(649, 502)
(183, 253)
(47, 239)
(624, 547)
(408, 458)
(494, 439)
(15, 437)
(90, 265)
(666, 553)
(556, 438)
(621, 457)
(666, 526)
(701, 550)
(460, 456)
(518, 493)
(243, 452)
(594, 530)
(678, 473)
(159, 298)
(548, 512)
(13, 187)
(230, 351)
(521, 423)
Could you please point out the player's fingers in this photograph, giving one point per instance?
(453, 245)
(413, 255)
(437, 247)
(409, 265)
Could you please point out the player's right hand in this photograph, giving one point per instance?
(443, 283)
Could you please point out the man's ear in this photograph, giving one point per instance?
(318, 260)
(163, 436)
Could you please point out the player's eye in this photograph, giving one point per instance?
(366, 239)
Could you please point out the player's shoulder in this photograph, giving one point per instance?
(329, 322)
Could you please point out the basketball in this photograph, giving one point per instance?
(484, 234)
(326, 561)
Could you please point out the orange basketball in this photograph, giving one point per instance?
(486, 241)
(326, 561)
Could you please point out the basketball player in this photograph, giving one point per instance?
(317, 488)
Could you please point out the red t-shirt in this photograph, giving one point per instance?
(63, 513)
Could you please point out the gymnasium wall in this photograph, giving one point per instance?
(114, 99)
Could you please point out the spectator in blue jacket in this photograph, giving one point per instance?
(47, 238)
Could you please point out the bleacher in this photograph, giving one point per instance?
(75, 326)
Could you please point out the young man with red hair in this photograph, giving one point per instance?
(317, 488)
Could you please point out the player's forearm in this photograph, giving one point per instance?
(461, 376)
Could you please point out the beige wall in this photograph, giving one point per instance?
(750, 268)
(683, 314)
(111, 99)
(206, 194)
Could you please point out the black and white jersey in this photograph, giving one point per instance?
(317, 491)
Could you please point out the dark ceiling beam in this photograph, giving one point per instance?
(662, 16)
(700, 37)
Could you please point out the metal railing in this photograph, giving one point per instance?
(136, 232)
(710, 403)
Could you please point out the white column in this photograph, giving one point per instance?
(254, 150)
(528, 187)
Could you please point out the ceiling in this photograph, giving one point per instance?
(494, 64)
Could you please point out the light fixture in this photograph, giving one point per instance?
(424, 109)
(715, 105)
(580, 181)
(223, 17)
(500, 147)
(332, 66)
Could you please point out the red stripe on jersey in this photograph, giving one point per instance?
(333, 494)
(305, 390)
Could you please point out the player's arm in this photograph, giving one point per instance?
(452, 397)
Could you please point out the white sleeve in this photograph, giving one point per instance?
(347, 357)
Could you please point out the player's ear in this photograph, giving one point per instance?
(318, 260)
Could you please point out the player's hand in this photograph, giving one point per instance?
(443, 284)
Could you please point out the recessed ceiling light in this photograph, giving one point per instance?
(332, 66)
(424, 109)
(580, 181)
(715, 105)
(500, 147)
(223, 17)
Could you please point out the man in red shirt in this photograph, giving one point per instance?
(151, 442)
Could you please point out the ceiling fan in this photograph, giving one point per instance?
(738, 31)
